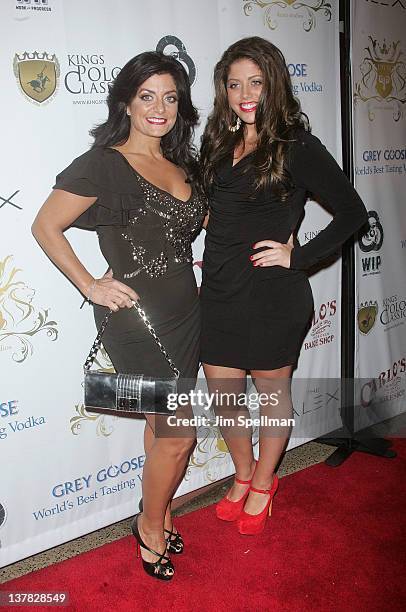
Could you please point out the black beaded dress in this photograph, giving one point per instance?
(256, 317)
(145, 235)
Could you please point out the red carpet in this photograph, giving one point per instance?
(336, 541)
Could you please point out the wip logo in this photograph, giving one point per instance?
(307, 11)
(371, 240)
(367, 314)
(383, 78)
(37, 75)
(171, 45)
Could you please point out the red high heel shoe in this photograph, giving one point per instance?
(252, 524)
(228, 510)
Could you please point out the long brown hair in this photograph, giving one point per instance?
(278, 116)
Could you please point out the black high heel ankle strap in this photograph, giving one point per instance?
(145, 547)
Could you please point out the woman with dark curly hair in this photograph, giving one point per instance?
(259, 163)
(137, 188)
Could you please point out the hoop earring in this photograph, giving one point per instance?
(236, 127)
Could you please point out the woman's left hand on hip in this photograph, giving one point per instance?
(277, 253)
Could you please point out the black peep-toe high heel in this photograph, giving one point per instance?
(163, 568)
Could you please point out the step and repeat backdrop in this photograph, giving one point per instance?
(379, 90)
(66, 472)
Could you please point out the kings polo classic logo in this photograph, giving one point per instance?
(383, 80)
(37, 75)
(306, 11)
(20, 320)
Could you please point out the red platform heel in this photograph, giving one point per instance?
(227, 510)
(252, 524)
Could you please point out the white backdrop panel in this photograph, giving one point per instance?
(78, 472)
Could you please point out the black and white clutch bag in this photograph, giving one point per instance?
(134, 393)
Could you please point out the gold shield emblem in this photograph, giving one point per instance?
(384, 84)
(366, 317)
(37, 75)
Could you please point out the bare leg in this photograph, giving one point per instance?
(149, 439)
(165, 463)
(239, 440)
(272, 439)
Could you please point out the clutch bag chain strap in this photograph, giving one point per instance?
(97, 343)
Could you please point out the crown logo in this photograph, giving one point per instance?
(382, 52)
(368, 303)
(382, 78)
(37, 75)
(36, 56)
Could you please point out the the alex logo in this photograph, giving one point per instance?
(9, 201)
(370, 241)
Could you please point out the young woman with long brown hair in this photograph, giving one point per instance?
(259, 163)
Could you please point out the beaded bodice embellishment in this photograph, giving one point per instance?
(180, 221)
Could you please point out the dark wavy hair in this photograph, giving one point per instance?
(177, 145)
(278, 116)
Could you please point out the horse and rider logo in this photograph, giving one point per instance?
(383, 77)
(305, 10)
(37, 75)
(366, 317)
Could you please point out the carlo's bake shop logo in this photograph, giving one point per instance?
(383, 81)
(366, 317)
(388, 386)
(172, 45)
(323, 326)
(305, 11)
(20, 320)
(37, 75)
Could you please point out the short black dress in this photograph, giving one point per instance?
(256, 317)
(145, 235)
